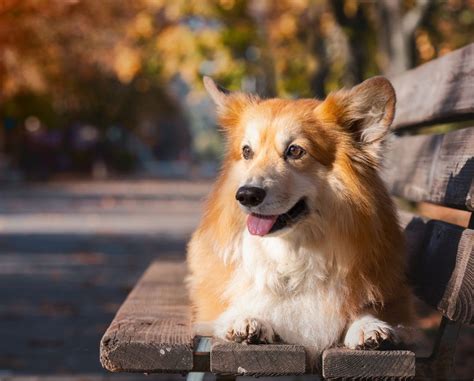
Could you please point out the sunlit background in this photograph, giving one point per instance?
(106, 88)
(108, 141)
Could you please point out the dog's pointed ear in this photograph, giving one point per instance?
(230, 105)
(366, 111)
(218, 94)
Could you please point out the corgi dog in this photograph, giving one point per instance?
(300, 241)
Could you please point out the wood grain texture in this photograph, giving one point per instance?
(356, 364)
(152, 331)
(441, 265)
(433, 168)
(438, 91)
(458, 299)
(257, 360)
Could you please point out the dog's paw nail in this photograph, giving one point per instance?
(250, 331)
(370, 334)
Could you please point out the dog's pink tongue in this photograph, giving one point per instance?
(259, 225)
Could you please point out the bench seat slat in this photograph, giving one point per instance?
(433, 168)
(257, 360)
(340, 363)
(152, 331)
(438, 91)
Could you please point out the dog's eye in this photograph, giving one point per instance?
(247, 152)
(294, 152)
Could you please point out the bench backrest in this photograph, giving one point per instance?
(437, 169)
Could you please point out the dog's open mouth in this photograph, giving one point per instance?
(261, 225)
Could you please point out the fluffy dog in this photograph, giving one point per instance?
(300, 241)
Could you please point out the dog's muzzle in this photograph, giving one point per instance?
(250, 196)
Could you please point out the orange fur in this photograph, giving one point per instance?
(356, 226)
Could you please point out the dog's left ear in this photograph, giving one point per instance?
(366, 111)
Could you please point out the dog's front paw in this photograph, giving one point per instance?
(370, 333)
(251, 331)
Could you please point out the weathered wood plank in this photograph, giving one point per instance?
(152, 331)
(257, 360)
(438, 91)
(441, 265)
(433, 168)
(356, 364)
(458, 298)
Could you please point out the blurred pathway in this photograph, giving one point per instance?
(69, 254)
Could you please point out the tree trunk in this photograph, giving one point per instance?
(397, 33)
(265, 81)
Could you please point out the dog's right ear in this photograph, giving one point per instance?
(230, 105)
(218, 94)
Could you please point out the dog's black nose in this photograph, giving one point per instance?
(250, 196)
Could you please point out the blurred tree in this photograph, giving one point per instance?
(139, 63)
(85, 61)
(47, 45)
(398, 31)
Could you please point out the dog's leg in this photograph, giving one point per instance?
(250, 331)
(241, 328)
(368, 332)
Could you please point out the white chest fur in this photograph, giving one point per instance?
(288, 286)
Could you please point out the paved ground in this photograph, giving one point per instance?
(69, 254)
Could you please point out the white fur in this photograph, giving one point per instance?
(240, 328)
(252, 133)
(288, 287)
(368, 327)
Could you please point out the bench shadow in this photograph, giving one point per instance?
(432, 259)
(459, 186)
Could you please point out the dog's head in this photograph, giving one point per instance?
(289, 159)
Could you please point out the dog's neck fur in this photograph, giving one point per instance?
(340, 240)
(282, 265)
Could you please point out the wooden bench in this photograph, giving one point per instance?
(152, 330)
